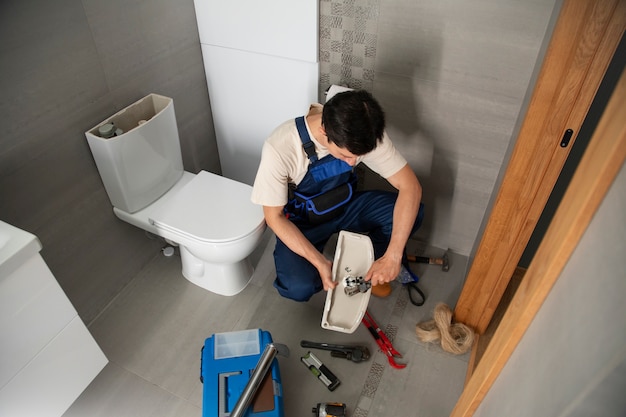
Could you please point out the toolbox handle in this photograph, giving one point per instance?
(270, 352)
(201, 360)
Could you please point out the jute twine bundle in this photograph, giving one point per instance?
(455, 338)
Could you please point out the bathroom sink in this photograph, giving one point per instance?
(16, 246)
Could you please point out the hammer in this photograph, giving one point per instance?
(443, 261)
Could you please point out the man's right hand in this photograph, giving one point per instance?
(293, 238)
(326, 273)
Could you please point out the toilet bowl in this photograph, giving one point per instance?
(217, 227)
(210, 217)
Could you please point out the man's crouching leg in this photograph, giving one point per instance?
(296, 278)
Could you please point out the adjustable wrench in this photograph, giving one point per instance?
(353, 353)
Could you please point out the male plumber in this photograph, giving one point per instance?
(307, 187)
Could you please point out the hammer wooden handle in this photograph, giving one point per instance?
(443, 261)
(425, 260)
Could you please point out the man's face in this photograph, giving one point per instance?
(342, 153)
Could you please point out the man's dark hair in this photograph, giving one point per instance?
(354, 120)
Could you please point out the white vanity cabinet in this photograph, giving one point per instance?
(47, 355)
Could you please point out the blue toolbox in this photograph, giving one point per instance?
(228, 361)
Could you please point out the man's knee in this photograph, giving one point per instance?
(296, 278)
(296, 289)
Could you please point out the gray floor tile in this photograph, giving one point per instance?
(153, 332)
(120, 393)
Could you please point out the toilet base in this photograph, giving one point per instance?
(223, 279)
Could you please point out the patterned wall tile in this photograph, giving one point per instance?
(451, 76)
(348, 36)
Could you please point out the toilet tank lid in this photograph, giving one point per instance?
(210, 208)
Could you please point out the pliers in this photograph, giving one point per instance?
(382, 341)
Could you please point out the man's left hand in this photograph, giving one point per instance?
(383, 270)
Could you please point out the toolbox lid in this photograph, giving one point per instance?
(354, 256)
(236, 344)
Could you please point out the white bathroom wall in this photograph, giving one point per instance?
(251, 94)
(261, 66)
(281, 28)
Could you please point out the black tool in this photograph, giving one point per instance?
(353, 353)
(329, 410)
(409, 280)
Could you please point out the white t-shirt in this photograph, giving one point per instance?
(284, 161)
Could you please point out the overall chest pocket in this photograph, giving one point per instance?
(325, 206)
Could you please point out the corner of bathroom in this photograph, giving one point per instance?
(67, 67)
(111, 106)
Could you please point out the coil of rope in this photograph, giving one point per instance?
(456, 338)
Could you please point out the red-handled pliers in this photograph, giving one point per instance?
(382, 341)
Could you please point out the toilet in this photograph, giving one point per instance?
(210, 217)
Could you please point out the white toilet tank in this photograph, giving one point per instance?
(142, 163)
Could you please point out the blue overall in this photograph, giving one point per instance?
(368, 212)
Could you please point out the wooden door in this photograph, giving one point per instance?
(582, 45)
(602, 161)
(584, 40)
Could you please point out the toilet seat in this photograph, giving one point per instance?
(210, 209)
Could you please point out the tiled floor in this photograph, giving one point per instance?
(153, 331)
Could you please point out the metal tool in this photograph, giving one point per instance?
(261, 369)
(329, 410)
(353, 353)
(355, 285)
(444, 261)
(409, 280)
(320, 370)
(382, 341)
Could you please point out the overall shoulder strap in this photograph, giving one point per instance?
(307, 144)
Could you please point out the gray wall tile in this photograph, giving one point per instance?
(487, 44)
(454, 138)
(65, 66)
(451, 75)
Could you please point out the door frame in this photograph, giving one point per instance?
(602, 161)
(583, 43)
(584, 40)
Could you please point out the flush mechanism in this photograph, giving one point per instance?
(355, 285)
